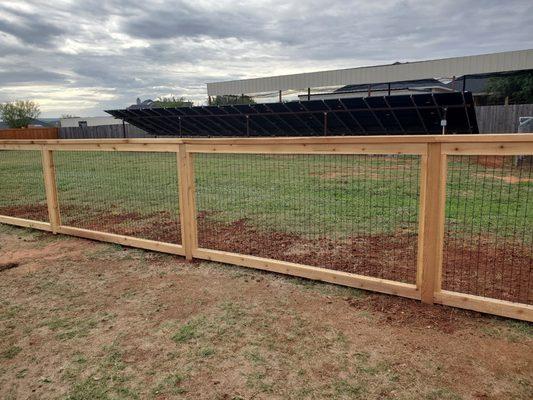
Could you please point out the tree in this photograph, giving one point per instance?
(518, 88)
(230, 99)
(19, 114)
(66, 116)
(171, 101)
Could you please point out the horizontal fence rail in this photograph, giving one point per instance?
(441, 219)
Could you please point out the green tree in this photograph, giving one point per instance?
(518, 88)
(20, 113)
(230, 99)
(171, 101)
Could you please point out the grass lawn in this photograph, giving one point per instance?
(82, 320)
(311, 195)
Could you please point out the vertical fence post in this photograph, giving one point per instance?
(187, 198)
(431, 225)
(50, 186)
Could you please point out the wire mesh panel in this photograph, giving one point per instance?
(127, 193)
(355, 213)
(22, 192)
(489, 227)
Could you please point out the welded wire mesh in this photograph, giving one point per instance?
(355, 213)
(127, 193)
(22, 192)
(489, 227)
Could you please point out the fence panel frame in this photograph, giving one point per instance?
(433, 151)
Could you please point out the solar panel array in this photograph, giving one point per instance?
(393, 115)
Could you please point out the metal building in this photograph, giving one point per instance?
(509, 61)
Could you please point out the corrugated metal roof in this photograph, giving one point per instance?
(447, 67)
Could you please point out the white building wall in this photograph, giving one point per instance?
(91, 121)
(443, 68)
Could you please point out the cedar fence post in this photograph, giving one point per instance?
(431, 224)
(50, 186)
(187, 199)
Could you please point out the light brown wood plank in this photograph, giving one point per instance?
(309, 272)
(123, 240)
(26, 223)
(486, 305)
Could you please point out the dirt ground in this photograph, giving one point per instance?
(88, 320)
(481, 268)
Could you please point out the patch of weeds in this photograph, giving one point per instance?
(73, 371)
(80, 359)
(206, 352)
(9, 312)
(232, 313)
(191, 330)
(257, 380)
(345, 388)
(255, 357)
(521, 328)
(108, 382)
(67, 328)
(11, 352)
(170, 385)
(21, 373)
(442, 394)
(513, 331)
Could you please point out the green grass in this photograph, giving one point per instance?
(11, 352)
(311, 195)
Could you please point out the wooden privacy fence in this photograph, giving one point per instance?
(29, 133)
(441, 219)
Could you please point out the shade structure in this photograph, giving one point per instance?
(376, 115)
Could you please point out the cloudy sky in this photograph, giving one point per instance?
(81, 57)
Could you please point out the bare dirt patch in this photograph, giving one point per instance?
(385, 256)
(483, 268)
(501, 270)
(122, 323)
(507, 178)
(37, 212)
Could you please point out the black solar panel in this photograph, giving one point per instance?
(393, 115)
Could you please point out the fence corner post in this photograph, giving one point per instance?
(187, 201)
(431, 226)
(50, 186)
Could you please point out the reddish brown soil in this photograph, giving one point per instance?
(491, 161)
(480, 267)
(160, 226)
(384, 256)
(477, 268)
(36, 212)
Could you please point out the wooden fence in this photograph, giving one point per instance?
(501, 118)
(433, 153)
(29, 133)
(103, 132)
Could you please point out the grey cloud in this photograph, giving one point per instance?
(147, 49)
(26, 75)
(30, 28)
(183, 20)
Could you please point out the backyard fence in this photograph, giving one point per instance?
(441, 219)
(29, 133)
(127, 131)
(501, 118)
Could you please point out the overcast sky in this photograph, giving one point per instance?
(81, 57)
